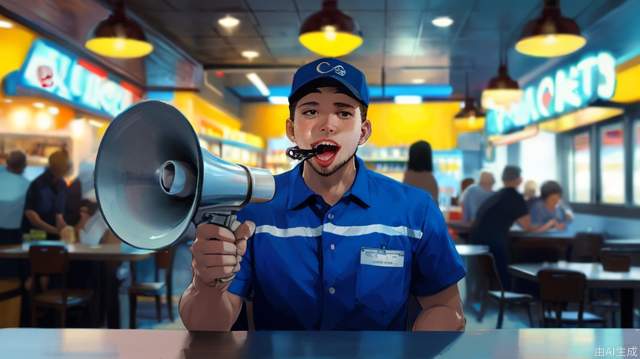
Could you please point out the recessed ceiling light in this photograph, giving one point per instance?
(4, 24)
(228, 22)
(54, 110)
(38, 105)
(417, 81)
(250, 54)
(442, 21)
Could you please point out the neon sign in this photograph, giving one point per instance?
(65, 77)
(568, 89)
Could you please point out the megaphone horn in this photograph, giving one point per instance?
(153, 180)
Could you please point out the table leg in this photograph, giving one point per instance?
(626, 308)
(112, 294)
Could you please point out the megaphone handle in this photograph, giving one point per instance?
(224, 220)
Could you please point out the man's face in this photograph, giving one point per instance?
(330, 118)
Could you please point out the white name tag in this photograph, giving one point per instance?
(382, 257)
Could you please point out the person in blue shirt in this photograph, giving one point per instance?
(12, 197)
(475, 195)
(339, 247)
(550, 207)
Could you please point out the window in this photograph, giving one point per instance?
(580, 168)
(636, 163)
(612, 179)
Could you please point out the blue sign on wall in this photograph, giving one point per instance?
(568, 89)
(52, 71)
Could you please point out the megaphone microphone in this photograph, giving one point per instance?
(153, 181)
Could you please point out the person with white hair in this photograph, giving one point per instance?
(475, 195)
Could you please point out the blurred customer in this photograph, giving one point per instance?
(455, 201)
(12, 196)
(530, 193)
(13, 189)
(419, 171)
(496, 216)
(46, 197)
(473, 197)
(550, 206)
(77, 200)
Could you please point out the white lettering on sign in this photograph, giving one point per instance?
(568, 89)
(62, 75)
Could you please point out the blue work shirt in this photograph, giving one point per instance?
(350, 266)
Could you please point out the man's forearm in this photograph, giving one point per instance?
(440, 318)
(208, 308)
(37, 222)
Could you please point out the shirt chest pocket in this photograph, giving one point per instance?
(381, 279)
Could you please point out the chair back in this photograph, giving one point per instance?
(164, 258)
(536, 254)
(486, 265)
(586, 247)
(559, 288)
(614, 262)
(48, 260)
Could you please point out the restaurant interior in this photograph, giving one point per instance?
(546, 88)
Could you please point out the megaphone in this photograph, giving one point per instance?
(153, 181)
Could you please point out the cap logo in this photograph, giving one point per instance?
(338, 69)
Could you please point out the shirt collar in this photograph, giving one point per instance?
(299, 192)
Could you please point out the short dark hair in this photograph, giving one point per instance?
(511, 173)
(420, 157)
(549, 188)
(16, 161)
(314, 87)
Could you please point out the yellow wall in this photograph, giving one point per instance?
(393, 125)
(198, 110)
(14, 46)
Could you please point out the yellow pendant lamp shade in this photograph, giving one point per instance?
(550, 35)
(119, 37)
(330, 32)
(502, 91)
(470, 117)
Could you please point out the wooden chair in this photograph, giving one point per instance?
(586, 247)
(615, 262)
(53, 261)
(559, 289)
(163, 261)
(607, 301)
(495, 291)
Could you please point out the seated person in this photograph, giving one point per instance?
(550, 207)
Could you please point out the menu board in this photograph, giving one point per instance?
(580, 183)
(612, 179)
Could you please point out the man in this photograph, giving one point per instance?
(46, 197)
(339, 246)
(473, 197)
(496, 216)
(14, 188)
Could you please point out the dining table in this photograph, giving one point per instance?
(168, 344)
(102, 253)
(596, 276)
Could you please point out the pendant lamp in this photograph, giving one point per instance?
(330, 32)
(119, 37)
(470, 114)
(502, 91)
(550, 35)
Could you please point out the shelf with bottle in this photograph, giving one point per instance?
(233, 151)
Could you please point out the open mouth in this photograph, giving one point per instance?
(327, 151)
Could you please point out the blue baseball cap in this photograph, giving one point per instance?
(345, 74)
